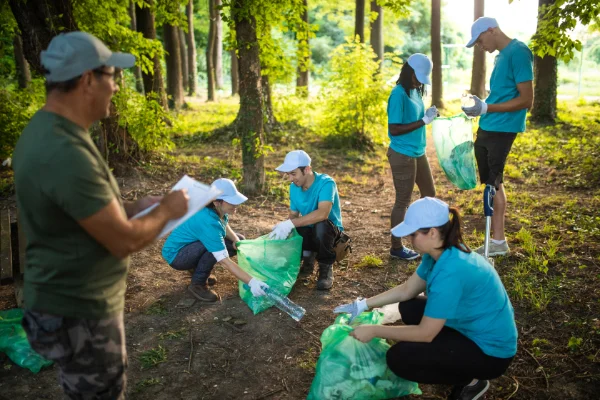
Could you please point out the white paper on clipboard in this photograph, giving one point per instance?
(200, 195)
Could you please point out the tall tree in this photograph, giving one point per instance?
(436, 54)
(478, 70)
(218, 50)
(545, 79)
(210, 49)
(377, 31)
(137, 70)
(153, 81)
(235, 76)
(303, 53)
(23, 73)
(249, 121)
(183, 53)
(191, 47)
(359, 20)
(173, 58)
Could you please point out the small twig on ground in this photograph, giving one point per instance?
(516, 389)
(287, 389)
(271, 393)
(235, 328)
(191, 350)
(541, 367)
(310, 333)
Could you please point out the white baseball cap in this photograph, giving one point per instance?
(427, 212)
(294, 159)
(230, 193)
(481, 25)
(422, 66)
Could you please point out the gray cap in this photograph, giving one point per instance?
(71, 54)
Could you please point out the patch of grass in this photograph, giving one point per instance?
(156, 308)
(525, 285)
(349, 179)
(370, 261)
(153, 357)
(141, 385)
(176, 334)
(308, 359)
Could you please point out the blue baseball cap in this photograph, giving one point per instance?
(229, 193)
(482, 24)
(422, 66)
(294, 159)
(427, 212)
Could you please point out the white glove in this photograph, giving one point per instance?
(430, 115)
(354, 309)
(478, 109)
(257, 287)
(282, 230)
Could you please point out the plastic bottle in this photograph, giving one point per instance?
(467, 101)
(283, 303)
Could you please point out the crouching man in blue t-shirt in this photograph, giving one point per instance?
(315, 213)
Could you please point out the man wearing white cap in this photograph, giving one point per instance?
(78, 231)
(207, 239)
(407, 118)
(315, 213)
(503, 115)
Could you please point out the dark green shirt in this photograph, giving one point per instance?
(61, 178)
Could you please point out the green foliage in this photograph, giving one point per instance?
(354, 97)
(144, 118)
(153, 357)
(574, 344)
(141, 385)
(554, 27)
(370, 261)
(8, 28)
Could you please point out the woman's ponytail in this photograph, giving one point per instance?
(451, 232)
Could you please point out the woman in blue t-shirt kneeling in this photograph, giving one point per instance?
(207, 239)
(406, 130)
(463, 331)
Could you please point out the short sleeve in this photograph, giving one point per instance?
(293, 205)
(327, 192)
(425, 267)
(78, 182)
(396, 108)
(444, 292)
(213, 237)
(522, 65)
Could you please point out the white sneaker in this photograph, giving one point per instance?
(495, 249)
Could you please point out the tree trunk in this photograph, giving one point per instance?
(359, 21)
(249, 120)
(173, 58)
(191, 47)
(436, 55)
(184, 59)
(478, 70)
(545, 82)
(137, 70)
(377, 31)
(39, 21)
(235, 74)
(210, 49)
(153, 80)
(23, 73)
(218, 50)
(302, 79)
(270, 121)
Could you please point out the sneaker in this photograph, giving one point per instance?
(212, 280)
(495, 249)
(404, 254)
(308, 265)
(473, 392)
(203, 293)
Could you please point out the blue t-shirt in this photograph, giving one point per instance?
(402, 109)
(204, 226)
(513, 65)
(322, 189)
(466, 291)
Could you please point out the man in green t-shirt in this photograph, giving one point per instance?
(78, 231)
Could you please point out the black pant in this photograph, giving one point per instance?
(320, 238)
(491, 151)
(451, 358)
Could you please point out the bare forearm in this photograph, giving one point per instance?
(402, 129)
(142, 231)
(130, 208)
(516, 104)
(310, 218)
(409, 333)
(391, 296)
(235, 270)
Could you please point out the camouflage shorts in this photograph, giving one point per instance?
(90, 354)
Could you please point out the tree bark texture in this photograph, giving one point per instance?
(137, 70)
(478, 70)
(173, 58)
(191, 47)
(269, 119)
(359, 20)
(235, 74)
(303, 73)
(210, 49)
(249, 121)
(153, 82)
(436, 55)
(184, 59)
(23, 73)
(39, 21)
(545, 77)
(218, 50)
(377, 31)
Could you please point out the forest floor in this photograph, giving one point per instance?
(184, 349)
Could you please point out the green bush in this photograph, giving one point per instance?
(354, 98)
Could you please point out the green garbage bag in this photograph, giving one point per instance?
(453, 139)
(275, 262)
(13, 342)
(349, 369)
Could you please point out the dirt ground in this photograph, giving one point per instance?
(222, 351)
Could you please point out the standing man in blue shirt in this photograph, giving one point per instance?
(315, 213)
(502, 114)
